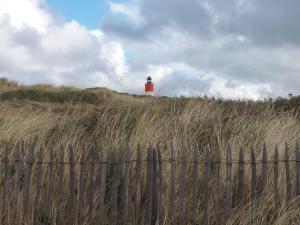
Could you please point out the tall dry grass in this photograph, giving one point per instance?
(141, 120)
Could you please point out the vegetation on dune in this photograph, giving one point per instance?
(51, 116)
(51, 96)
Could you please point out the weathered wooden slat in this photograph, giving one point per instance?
(60, 187)
(264, 169)
(160, 189)
(103, 184)
(228, 200)
(264, 178)
(149, 184)
(195, 185)
(30, 160)
(80, 189)
(126, 184)
(72, 177)
(138, 185)
(115, 187)
(49, 188)
(276, 159)
(172, 184)
(206, 185)
(16, 185)
(253, 175)
(182, 184)
(4, 210)
(217, 185)
(154, 188)
(241, 172)
(38, 186)
(91, 188)
(287, 175)
(297, 157)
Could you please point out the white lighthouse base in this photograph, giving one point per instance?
(149, 93)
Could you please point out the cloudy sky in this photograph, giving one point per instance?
(230, 48)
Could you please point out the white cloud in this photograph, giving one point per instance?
(130, 11)
(159, 72)
(26, 12)
(220, 88)
(34, 48)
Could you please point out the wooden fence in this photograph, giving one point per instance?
(60, 187)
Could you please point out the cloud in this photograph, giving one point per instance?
(264, 22)
(131, 12)
(35, 48)
(19, 13)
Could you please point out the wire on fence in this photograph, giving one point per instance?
(249, 162)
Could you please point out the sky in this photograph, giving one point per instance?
(231, 49)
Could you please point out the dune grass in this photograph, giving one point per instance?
(118, 119)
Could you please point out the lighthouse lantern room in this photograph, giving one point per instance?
(149, 86)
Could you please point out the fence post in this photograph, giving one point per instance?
(276, 158)
(16, 183)
(195, 184)
(228, 200)
(80, 188)
(30, 160)
(126, 184)
(38, 181)
(160, 188)
(91, 188)
(149, 184)
(264, 169)
(287, 175)
(241, 172)
(206, 183)
(60, 197)
(115, 187)
(72, 176)
(49, 187)
(138, 185)
(104, 165)
(172, 184)
(182, 189)
(4, 210)
(217, 189)
(297, 156)
(253, 175)
(154, 188)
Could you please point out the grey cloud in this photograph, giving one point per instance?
(185, 16)
(127, 30)
(264, 22)
(191, 17)
(27, 36)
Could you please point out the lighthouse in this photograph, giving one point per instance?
(149, 86)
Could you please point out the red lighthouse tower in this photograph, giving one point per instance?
(149, 86)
